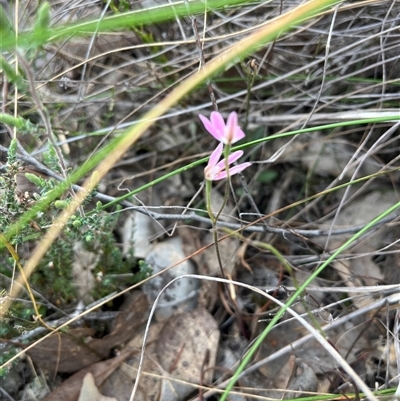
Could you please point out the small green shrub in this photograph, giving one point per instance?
(53, 278)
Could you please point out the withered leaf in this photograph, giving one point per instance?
(69, 390)
(76, 349)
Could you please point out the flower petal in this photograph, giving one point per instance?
(207, 124)
(220, 176)
(238, 135)
(234, 156)
(231, 159)
(218, 122)
(233, 133)
(237, 169)
(230, 128)
(212, 168)
(215, 155)
(232, 171)
(212, 126)
(226, 133)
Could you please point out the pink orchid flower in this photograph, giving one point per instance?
(215, 170)
(226, 133)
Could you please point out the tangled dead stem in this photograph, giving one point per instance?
(340, 66)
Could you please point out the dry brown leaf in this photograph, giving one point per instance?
(69, 390)
(184, 344)
(72, 351)
(297, 376)
(67, 352)
(131, 317)
(120, 383)
(185, 348)
(90, 392)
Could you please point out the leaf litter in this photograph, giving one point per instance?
(99, 86)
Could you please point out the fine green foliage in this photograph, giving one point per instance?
(53, 278)
(40, 35)
(6, 355)
(12, 76)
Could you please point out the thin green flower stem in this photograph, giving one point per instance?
(214, 221)
(221, 267)
(208, 201)
(227, 151)
(214, 224)
(247, 358)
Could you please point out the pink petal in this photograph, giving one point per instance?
(220, 176)
(215, 155)
(226, 133)
(234, 156)
(232, 171)
(235, 132)
(231, 158)
(212, 167)
(209, 126)
(238, 135)
(237, 169)
(218, 122)
(230, 128)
